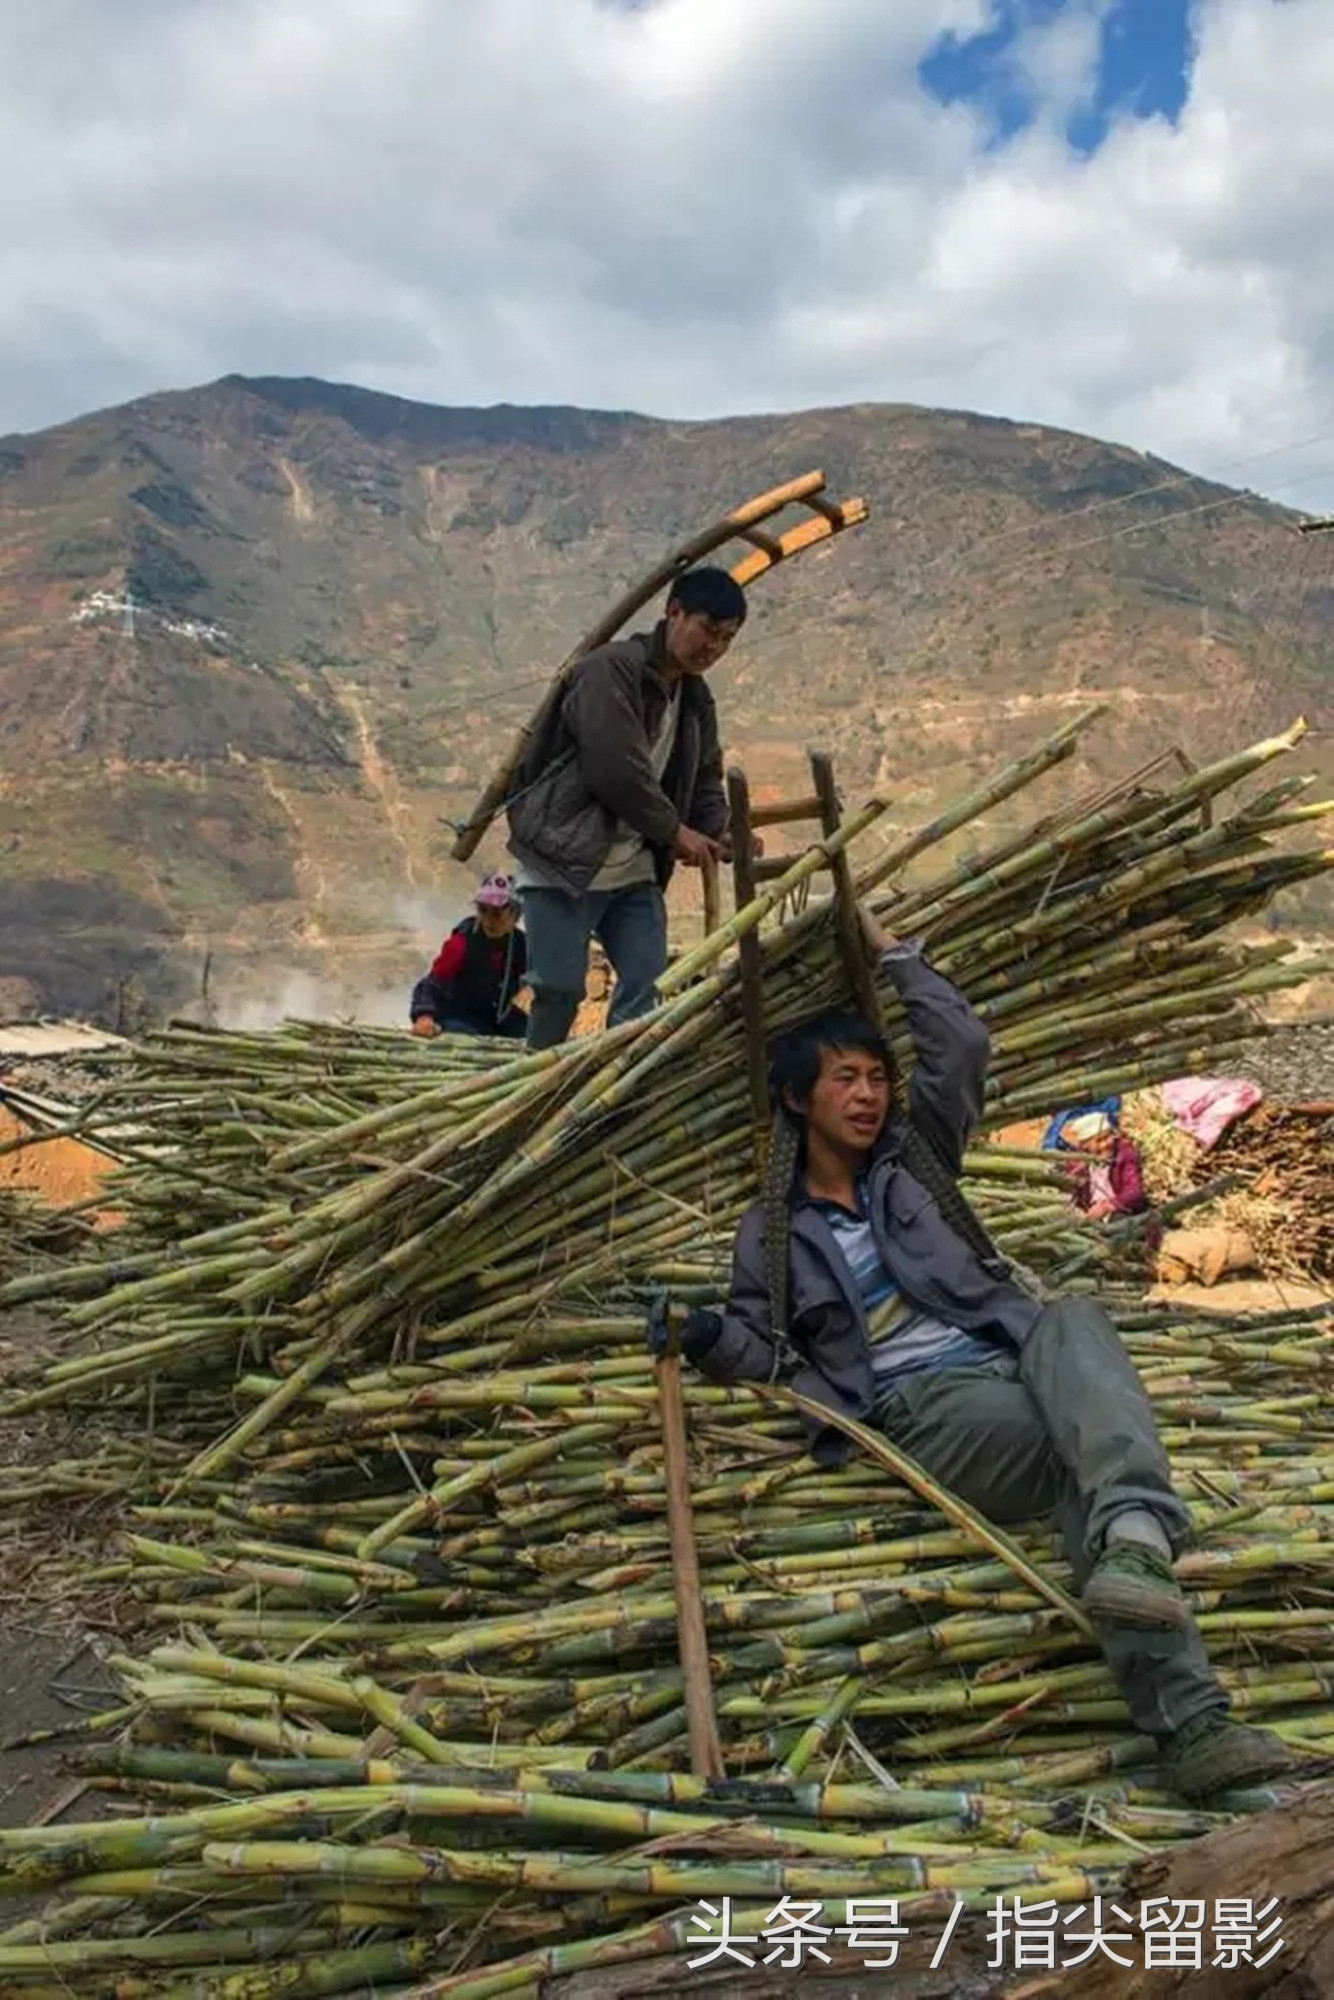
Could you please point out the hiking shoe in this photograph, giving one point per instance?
(1133, 1585)
(1212, 1754)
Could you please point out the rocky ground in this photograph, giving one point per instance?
(68, 1078)
(1295, 1064)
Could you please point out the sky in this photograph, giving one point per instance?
(1115, 216)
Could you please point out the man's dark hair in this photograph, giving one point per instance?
(710, 591)
(794, 1057)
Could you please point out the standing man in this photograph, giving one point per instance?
(471, 986)
(624, 781)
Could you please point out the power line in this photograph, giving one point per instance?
(1027, 561)
(1137, 528)
(1137, 493)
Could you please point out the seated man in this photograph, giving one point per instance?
(900, 1312)
(471, 987)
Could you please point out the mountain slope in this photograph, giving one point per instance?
(258, 640)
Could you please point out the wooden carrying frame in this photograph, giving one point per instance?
(827, 518)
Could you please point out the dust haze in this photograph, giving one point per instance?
(339, 986)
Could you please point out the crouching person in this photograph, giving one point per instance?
(900, 1312)
(472, 986)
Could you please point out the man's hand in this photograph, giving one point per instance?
(658, 1326)
(424, 1025)
(697, 1333)
(694, 848)
(877, 938)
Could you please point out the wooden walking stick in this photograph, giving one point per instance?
(706, 1755)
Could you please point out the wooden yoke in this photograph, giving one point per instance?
(748, 871)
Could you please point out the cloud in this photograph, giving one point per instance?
(692, 207)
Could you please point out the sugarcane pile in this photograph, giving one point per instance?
(389, 1442)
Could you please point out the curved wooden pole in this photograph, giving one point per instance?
(767, 553)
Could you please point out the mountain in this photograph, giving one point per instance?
(261, 641)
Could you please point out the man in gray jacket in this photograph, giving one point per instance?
(900, 1312)
(623, 782)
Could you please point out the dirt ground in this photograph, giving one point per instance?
(1244, 1295)
(48, 1678)
(61, 1171)
(51, 1672)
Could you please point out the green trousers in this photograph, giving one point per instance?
(1071, 1433)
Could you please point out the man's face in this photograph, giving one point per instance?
(696, 642)
(497, 923)
(850, 1101)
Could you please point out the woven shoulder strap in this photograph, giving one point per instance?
(922, 1160)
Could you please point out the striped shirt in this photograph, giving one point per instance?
(904, 1339)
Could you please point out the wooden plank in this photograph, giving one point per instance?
(782, 811)
(775, 865)
(806, 535)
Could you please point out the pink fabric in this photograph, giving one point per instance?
(1205, 1106)
(1114, 1186)
(1127, 1178)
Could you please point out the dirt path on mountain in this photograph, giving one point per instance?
(311, 879)
(302, 508)
(380, 779)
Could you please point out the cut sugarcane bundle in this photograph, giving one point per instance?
(368, 1376)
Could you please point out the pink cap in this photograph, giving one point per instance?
(496, 893)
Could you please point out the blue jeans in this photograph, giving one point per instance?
(631, 926)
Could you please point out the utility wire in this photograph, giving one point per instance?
(1142, 493)
(1027, 561)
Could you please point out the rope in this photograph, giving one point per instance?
(502, 1004)
(512, 798)
(784, 1146)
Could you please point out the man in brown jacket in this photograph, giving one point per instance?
(623, 782)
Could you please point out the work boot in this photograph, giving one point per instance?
(1133, 1585)
(1212, 1754)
